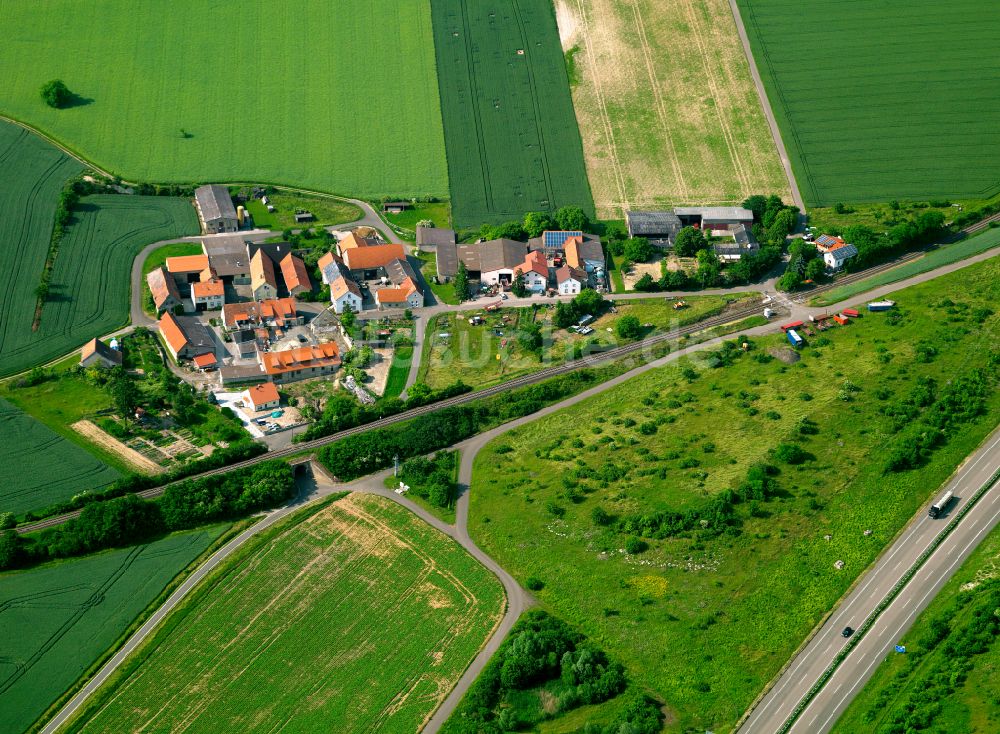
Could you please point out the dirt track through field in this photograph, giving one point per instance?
(111, 444)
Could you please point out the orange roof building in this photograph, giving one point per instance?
(97, 353)
(263, 396)
(187, 264)
(293, 270)
(301, 363)
(263, 282)
(373, 257)
(206, 361)
(185, 336)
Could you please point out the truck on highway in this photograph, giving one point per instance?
(938, 508)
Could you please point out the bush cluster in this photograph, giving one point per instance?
(432, 478)
(540, 651)
(128, 520)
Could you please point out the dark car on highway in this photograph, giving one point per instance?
(848, 631)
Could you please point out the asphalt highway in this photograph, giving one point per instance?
(807, 668)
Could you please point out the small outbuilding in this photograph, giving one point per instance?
(263, 397)
(96, 353)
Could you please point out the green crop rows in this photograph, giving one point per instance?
(58, 619)
(336, 96)
(358, 617)
(33, 175)
(39, 468)
(880, 101)
(510, 131)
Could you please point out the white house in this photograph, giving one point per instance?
(836, 257)
(536, 272)
(570, 281)
(344, 292)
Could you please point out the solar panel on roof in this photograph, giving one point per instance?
(556, 238)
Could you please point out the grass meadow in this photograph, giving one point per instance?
(356, 616)
(340, 97)
(866, 113)
(510, 131)
(972, 706)
(705, 618)
(39, 467)
(667, 109)
(59, 619)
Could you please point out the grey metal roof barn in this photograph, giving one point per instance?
(435, 236)
(214, 202)
(653, 225)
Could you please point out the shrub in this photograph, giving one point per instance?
(634, 545)
(790, 453)
(56, 94)
(533, 583)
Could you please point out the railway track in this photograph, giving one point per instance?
(536, 377)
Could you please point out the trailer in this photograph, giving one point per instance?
(881, 305)
(941, 505)
(792, 325)
(495, 306)
(840, 319)
(819, 317)
(794, 339)
(852, 312)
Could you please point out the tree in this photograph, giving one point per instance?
(418, 391)
(461, 282)
(565, 316)
(646, 284)
(530, 337)
(572, 218)
(709, 268)
(42, 290)
(781, 226)
(56, 94)
(518, 287)
(689, 241)
(124, 393)
(588, 301)
(537, 222)
(638, 249)
(628, 327)
(347, 318)
(757, 204)
(815, 269)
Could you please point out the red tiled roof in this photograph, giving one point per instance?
(208, 289)
(162, 286)
(187, 263)
(535, 261)
(293, 360)
(293, 270)
(172, 332)
(376, 256)
(205, 360)
(266, 392)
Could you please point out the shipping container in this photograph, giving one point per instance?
(792, 325)
(853, 313)
(881, 305)
(794, 339)
(840, 319)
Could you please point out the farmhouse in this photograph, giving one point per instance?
(554, 240)
(277, 313)
(185, 336)
(209, 293)
(294, 273)
(345, 293)
(368, 261)
(300, 363)
(659, 228)
(262, 397)
(329, 268)
(535, 271)
(835, 250)
(163, 288)
(263, 281)
(585, 253)
(356, 239)
(187, 269)
(96, 353)
(743, 243)
(570, 281)
(215, 209)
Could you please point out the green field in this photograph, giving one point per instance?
(340, 97)
(944, 255)
(38, 467)
(921, 680)
(867, 111)
(59, 619)
(510, 130)
(34, 174)
(357, 617)
(714, 607)
(326, 210)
